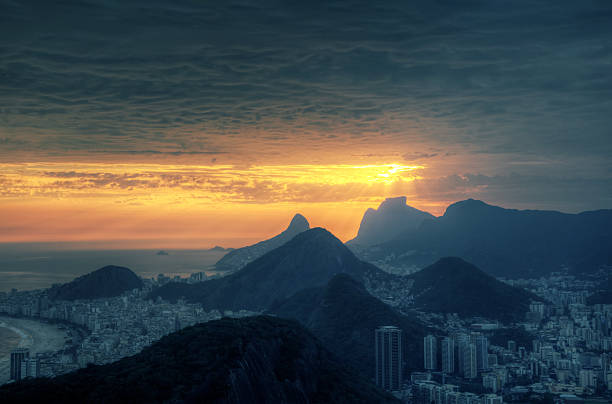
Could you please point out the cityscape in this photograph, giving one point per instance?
(339, 201)
(562, 348)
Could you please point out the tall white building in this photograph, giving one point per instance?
(430, 353)
(388, 348)
(30, 367)
(470, 364)
(448, 355)
(482, 352)
(17, 356)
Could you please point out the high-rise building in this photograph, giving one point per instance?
(448, 355)
(461, 341)
(17, 356)
(512, 346)
(388, 349)
(470, 364)
(430, 352)
(482, 352)
(30, 367)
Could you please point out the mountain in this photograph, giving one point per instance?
(343, 315)
(109, 281)
(238, 258)
(255, 359)
(309, 260)
(452, 285)
(505, 242)
(392, 218)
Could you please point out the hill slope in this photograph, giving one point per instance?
(505, 242)
(109, 281)
(238, 258)
(452, 285)
(343, 315)
(392, 218)
(256, 360)
(309, 260)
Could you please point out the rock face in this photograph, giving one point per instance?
(343, 315)
(392, 218)
(309, 260)
(452, 285)
(238, 258)
(109, 281)
(505, 242)
(249, 360)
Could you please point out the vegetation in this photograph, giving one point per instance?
(452, 285)
(109, 281)
(343, 315)
(309, 260)
(258, 359)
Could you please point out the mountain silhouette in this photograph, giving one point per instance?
(238, 258)
(452, 285)
(109, 281)
(505, 242)
(392, 218)
(250, 360)
(309, 260)
(343, 315)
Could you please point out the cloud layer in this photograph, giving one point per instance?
(508, 101)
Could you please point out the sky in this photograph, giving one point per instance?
(185, 124)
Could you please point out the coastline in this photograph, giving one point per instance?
(34, 335)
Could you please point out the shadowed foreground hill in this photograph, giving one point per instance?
(109, 281)
(343, 315)
(452, 285)
(238, 258)
(309, 260)
(249, 360)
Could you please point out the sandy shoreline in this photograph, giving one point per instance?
(38, 337)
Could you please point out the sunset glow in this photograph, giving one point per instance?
(190, 206)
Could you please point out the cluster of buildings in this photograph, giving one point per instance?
(110, 328)
(562, 351)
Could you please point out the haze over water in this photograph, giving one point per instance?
(23, 269)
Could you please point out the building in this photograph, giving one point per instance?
(461, 342)
(490, 382)
(388, 350)
(470, 364)
(482, 352)
(448, 355)
(492, 399)
(512, 346)
(430, 353)
(17, 356)
(30, 367)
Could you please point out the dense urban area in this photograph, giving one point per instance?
(562, 349)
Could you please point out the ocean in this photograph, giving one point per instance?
(26, 269)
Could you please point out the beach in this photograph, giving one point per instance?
(37, 336)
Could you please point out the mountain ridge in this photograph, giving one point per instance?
(239, 257)
(453, 285)
(108, 281)
(343, 315)
(310, 259)
(504, 242)
(392, 217)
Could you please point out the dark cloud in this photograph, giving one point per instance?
(416, 156)
(189, 77)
